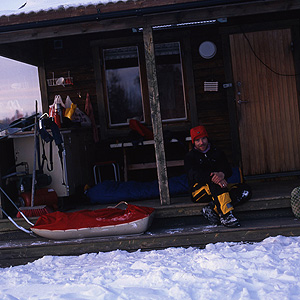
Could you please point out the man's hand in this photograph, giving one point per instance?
(218, 178)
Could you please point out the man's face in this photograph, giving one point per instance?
(201, 143)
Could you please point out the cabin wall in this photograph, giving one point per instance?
(212, 107)
(70, 55)
(76, 56)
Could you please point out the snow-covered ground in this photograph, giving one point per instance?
(265, 270)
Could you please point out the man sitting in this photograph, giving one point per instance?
(207, 170)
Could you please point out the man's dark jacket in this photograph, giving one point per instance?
(200, 165)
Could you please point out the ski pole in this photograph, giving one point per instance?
(18, 226)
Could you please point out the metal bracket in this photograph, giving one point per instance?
(240, 101)
(227, 85)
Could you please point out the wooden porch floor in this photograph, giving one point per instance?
(180, 224)
(267, 194)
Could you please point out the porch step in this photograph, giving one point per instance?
(184, 209)
(20, 248)
(259, 220)
(180, 224)
(268, 197)
(181, 207)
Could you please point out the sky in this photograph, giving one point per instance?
(8, 7)
(268, 270)
(19, 89)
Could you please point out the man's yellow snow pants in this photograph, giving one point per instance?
(213, 192)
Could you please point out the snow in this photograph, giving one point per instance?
(264, 270)
(8, 7)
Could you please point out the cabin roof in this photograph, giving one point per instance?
(30, 11)
(44, 9)
(37, 19)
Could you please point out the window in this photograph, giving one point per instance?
(19, 85)
(123, 85)
(124, 88)
(170, 83)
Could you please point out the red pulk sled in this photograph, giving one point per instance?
(90, 223)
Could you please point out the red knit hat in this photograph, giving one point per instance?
(198, 132)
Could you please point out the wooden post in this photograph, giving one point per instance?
(156, 117)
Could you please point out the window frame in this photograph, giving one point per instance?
(105, 86)
(187, 80)
(185, 118)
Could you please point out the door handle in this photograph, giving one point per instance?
(242, 101)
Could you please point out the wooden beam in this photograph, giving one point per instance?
(152, 165)
(43, 80)
(236, 150)
(43, 89)
(100, 92)
(156, 117)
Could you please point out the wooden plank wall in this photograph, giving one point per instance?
(270, 119)
(212, 106)
(76, 57)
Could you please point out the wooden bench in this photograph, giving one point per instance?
(148, 165)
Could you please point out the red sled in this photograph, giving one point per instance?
(94, 223)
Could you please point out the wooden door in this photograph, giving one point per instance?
(266, 100)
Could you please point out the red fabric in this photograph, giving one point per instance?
(141, 129)
(198, 132)
(92, 218)
(42, 196)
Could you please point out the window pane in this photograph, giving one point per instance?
(170, 83)
(19, 85)
(123, 85)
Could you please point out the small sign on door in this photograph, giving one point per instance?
(211, 86)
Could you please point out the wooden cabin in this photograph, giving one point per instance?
(232, 66)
